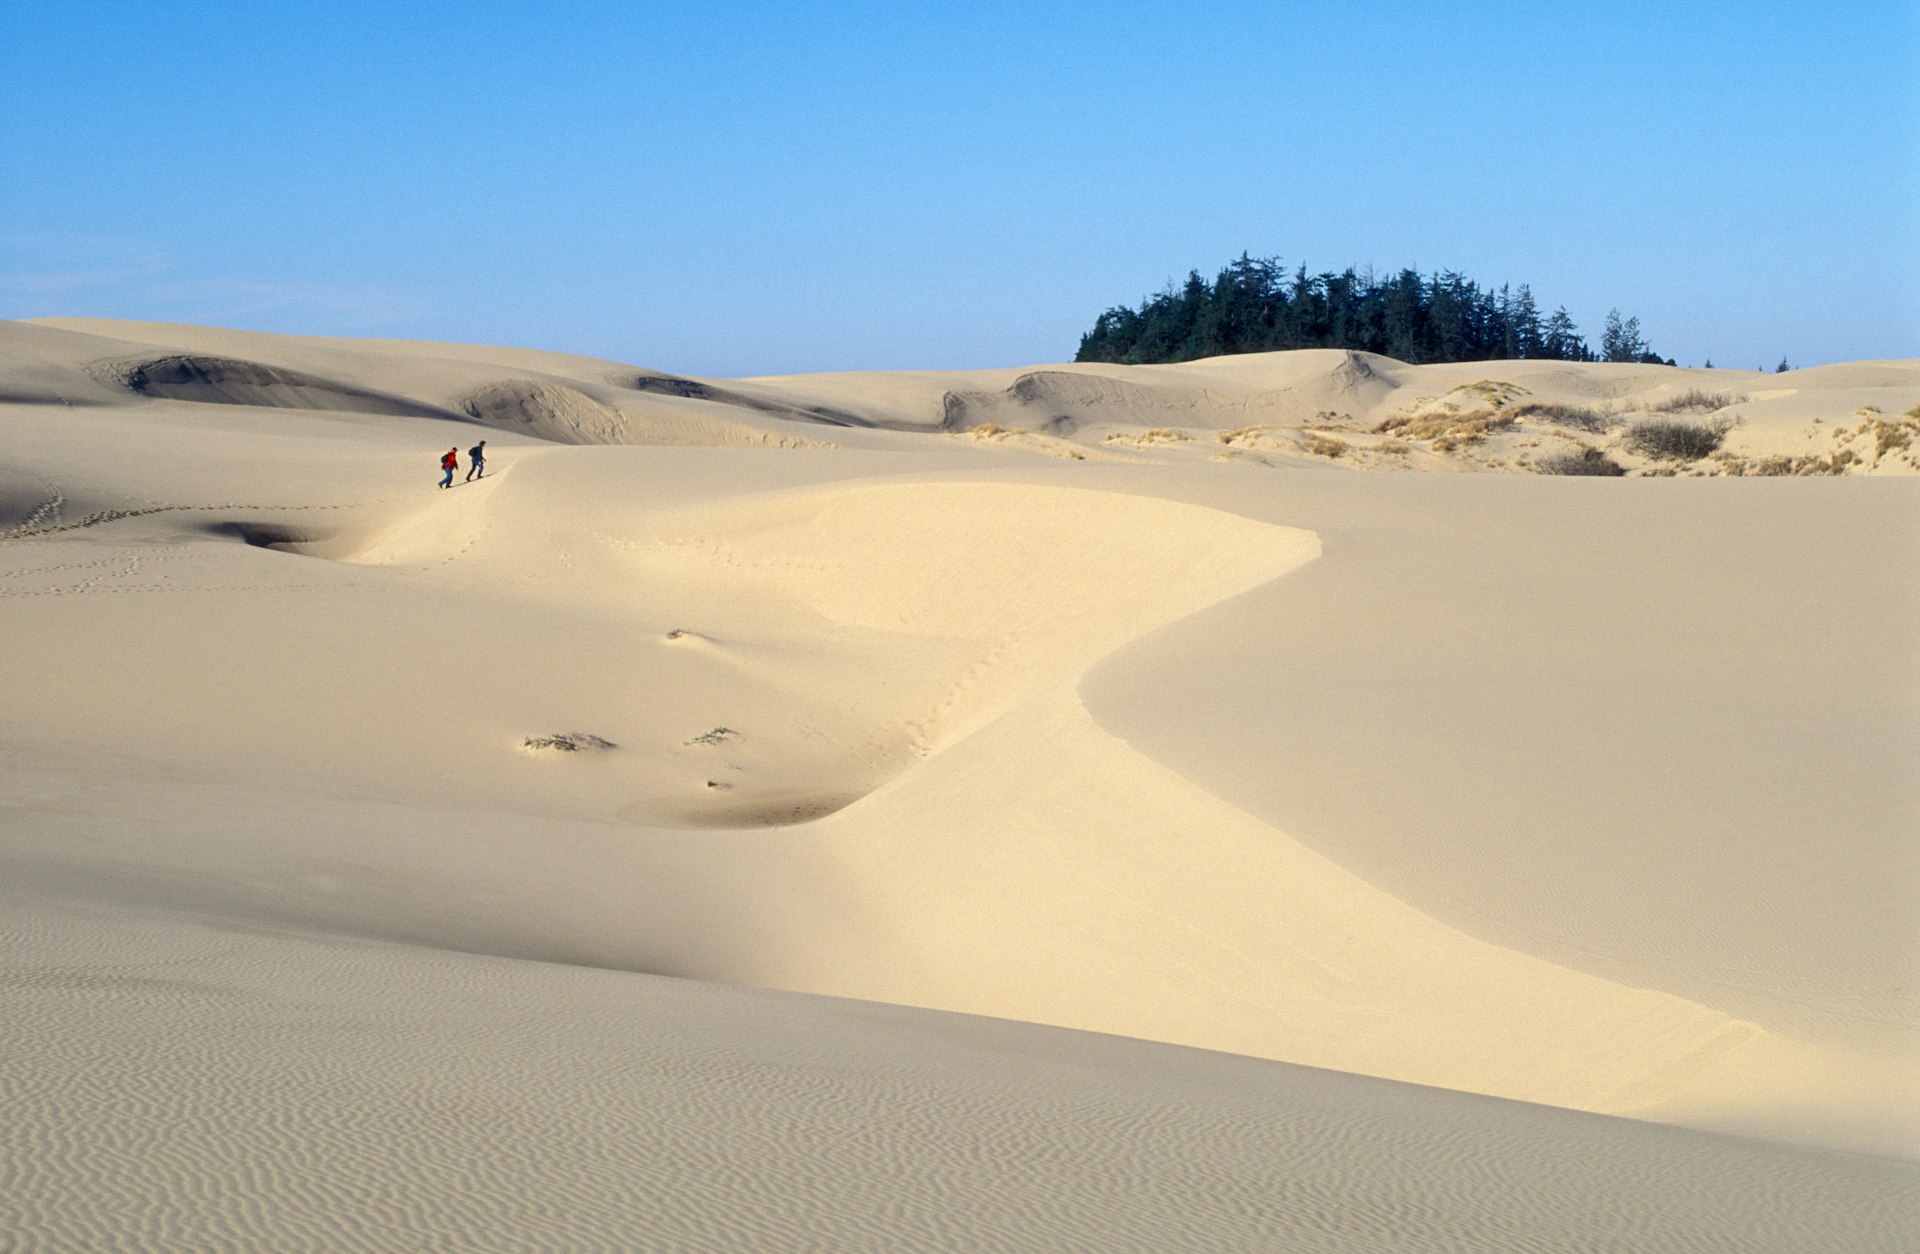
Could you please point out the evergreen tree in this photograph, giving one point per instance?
(1505, 327)
(1782, 367)
(1562, 340)
(1526, 325)
(1621, 340)
(1404, 312)
(1447, 321)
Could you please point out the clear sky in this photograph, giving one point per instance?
(744, 188)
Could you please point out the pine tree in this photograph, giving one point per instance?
(1621, 340)
(1526, 324)
(1562, 338)
(1404, 314)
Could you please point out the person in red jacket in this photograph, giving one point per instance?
(449, 462)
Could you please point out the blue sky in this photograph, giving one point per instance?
(733, 188)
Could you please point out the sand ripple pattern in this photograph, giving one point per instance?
(168, 1086)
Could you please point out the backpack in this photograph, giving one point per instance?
(477, 453)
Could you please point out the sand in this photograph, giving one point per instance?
(1074, 807)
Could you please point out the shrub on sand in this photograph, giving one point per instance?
(1579, 417)
(1673, 440)
(1580, 461)
(1696, 400)
(1446, 429)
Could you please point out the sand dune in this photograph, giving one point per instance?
(346, 817)
(347, 1094)
(224, 381)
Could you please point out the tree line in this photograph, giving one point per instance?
(1256, 306)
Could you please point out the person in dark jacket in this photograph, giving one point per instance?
(477, 457)
(449, 462)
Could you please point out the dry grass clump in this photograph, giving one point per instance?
(1673, 440)
(1029, 441)
(565, 742)
(1141, 439)
(1447, 430)
(1579, 417)
(1696, 400)
(1580, 461)
(1767, 467)
(1888, 437)
(1891, 437)
(1333, 420)
(1393, 448)
(1495, 392)
(1321, 446)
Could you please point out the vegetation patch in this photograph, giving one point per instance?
(1579, 417)
(1248, 435)
(1447, 430)
(1493, 392)
(1322, 446)
(1029, 441)
(1259, 304)
(1887, 437)
(1696, 401)
(1670, 439)
(1580, 461)
(565, 742)
(1890, 437)
(1156, 435)
(1767, 467)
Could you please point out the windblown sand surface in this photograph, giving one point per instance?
(1537, 851)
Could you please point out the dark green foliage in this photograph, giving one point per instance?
(1621, 340)
(1255, 306)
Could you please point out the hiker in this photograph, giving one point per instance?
(477, 455)
(449, 462)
